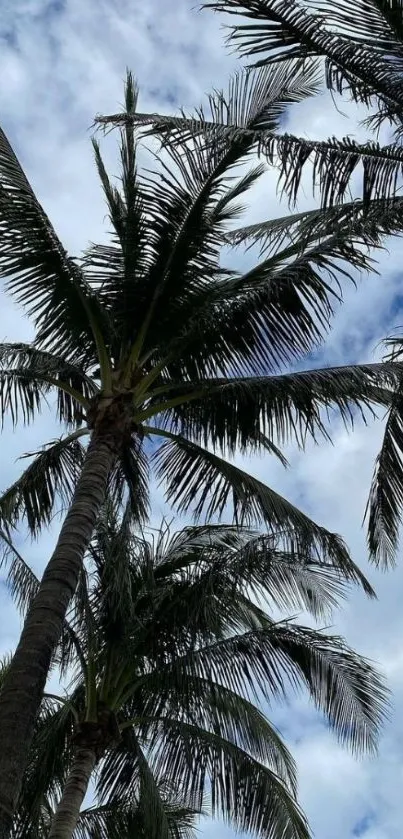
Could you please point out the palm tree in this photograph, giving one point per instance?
(162, 356)
(167, 654)
(362, 47)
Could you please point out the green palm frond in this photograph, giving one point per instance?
(47, 770)
(242, 791)
(212, 707)
(27, 374)
(131, 476)
(239, 560)
(124, 820)
(385, 502)
(50, 478)
(246, 320)
(362, 223)
(200, 479)
(343, 685)
(254, 101)
(363, 54)
(239, 414)
(21, 581)
(333, 161)
(363, 50)
(38, 271)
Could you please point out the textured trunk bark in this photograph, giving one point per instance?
(24, 684)
(68, 810)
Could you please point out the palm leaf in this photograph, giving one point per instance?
(363, 51)
(27, 374)
(38, 271)
(49, 478)
(127, 769)
(363, 55)
(275, 657)
(215, 708)
(355, 220)
(21, 580)
(240, 414)
(124, 820)
(242, 791)
(199, 478)
(385, 502)
(239, 560)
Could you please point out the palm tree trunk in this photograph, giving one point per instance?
(68, 810)
(24, 684)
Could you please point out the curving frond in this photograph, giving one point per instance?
(213, 708)
(37, 269)
(363, 50)
(384, 509)
(241, 414)
(198, 478)
(28, 374)
(242, 791)
(22, 583)
(50, 478)
(125, 818)
(130, 479)
(279, 656)
(355, 220)
(47, 770)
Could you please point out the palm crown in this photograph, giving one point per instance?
(155, 339)
(166, 653)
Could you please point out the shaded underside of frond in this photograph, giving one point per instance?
(276, 657)
(385, 503)
(363, 50)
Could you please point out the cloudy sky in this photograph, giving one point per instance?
(63, 61)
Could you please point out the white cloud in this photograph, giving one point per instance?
(61, 62)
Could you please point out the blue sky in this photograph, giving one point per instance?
(62, 62)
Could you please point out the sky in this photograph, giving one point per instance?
(61, 63)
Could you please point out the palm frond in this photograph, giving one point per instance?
(243, 414)
(130, 479)
(333, 161)
(198, 478)
(275, 657)
(127, 771)
(50, 477)
(385, 502)
(47, 770)
(119, 270)
(239, 560)
(356, 220)
(125, 819)
(215, 708)
(27, 374)
(254, 101)
(363, 50)
(21, 580)
(38, 271)
(242, 790)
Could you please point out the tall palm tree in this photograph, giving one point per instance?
(362, 48)
(161, 355)
(167, 655)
